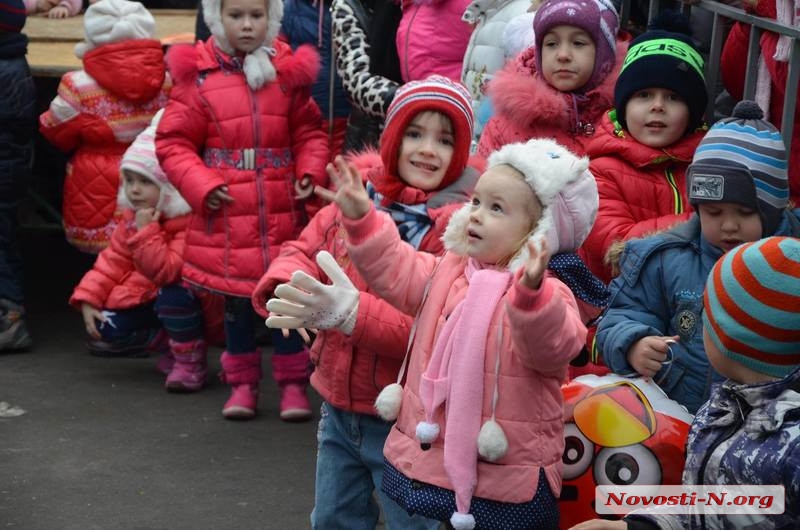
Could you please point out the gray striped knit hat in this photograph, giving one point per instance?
(743, 160)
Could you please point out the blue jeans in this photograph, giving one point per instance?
(349, 474)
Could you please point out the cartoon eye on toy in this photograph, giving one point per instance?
(625, 466)
(578, 452)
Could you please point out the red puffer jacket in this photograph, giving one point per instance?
(216, 131)
(642, 189)
(95, 116)
(733, 68)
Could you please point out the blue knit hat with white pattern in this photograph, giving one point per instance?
(743, 160)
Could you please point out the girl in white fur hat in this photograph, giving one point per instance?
(134, 288)
(242, 140)
(479, 432)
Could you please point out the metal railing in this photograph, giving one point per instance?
(758, 26)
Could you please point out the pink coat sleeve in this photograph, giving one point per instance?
(546, 326)
(73, 6)
(156, 254)
(391, 267)
(112, 265)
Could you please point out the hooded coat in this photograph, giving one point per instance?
(212, 125)
(97, 113)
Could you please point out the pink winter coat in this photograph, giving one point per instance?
(432, 38)
(526, 106)
(351, 371)
(538, 332)
(642, 189)
(96, 115)
(129, 272)
(211, 126)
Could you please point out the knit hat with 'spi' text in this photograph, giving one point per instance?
(742, 160)
(598, 18)
(434, 93)
(751, 305)
(663, 59)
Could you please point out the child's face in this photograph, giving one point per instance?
(567, 58)
(426, 150)
(727, 225)
(245, 23)
(657, 117)
(504, 211)
(140, 190)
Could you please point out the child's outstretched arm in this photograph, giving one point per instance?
(546, 326)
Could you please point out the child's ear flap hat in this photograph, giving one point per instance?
(598, 18)
(434, 93)
(751, 300)
(564, 186)
(140, 158)
(666, 59)
(258, 67)
(109, 21)
(742, 160)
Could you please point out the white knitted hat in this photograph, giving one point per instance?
(562, 183)
(140, 158)
(109, 21)
(258, 68)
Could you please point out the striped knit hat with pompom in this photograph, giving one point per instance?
(751, 305)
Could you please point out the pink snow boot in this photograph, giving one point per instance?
(243, 373)
(189, 371)
(291, 374)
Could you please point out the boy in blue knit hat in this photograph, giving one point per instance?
(17, 131)
(748, 433)
(738, 185)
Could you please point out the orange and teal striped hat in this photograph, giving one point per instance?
(752, 305)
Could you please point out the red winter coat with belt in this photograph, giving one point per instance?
(216, 131)
(526, 106)
(642, 189)
(733, 68)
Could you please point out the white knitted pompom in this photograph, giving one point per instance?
(492, 441)
(427, 432)
(462, 521)
(388, 402)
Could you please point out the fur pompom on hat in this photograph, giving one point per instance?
(562, 183)
(751, 300)
(109, 21)
(140, 158)
(258, 67)
(598, 18)
(435, 93)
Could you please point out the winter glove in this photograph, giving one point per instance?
(305, 302)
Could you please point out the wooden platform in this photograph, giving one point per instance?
(51, 47)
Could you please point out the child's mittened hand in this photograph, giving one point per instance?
(350, 194)
(648, 354)
(90, 315)
(534, 268)
(217, 197)
(145, 216)
(305, 302)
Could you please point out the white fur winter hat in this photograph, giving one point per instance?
(258, 68)
(140, 157)
(109, 21)
(562, 183)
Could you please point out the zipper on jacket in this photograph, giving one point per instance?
(408, 33)
(676, 194)
(262, 214)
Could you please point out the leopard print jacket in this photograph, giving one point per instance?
(369, 92)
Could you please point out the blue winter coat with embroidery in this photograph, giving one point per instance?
(659, 291)
(744, 435)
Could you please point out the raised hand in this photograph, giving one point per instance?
(145, 216)
(350, 194)
(534, 268)
(305, 302)
(217, 197)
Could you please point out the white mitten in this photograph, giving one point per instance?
(305, 302)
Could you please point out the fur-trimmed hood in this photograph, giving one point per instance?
(295, 69)
(521, 96)
(563, 185)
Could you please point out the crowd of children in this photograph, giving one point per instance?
(426, 293)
